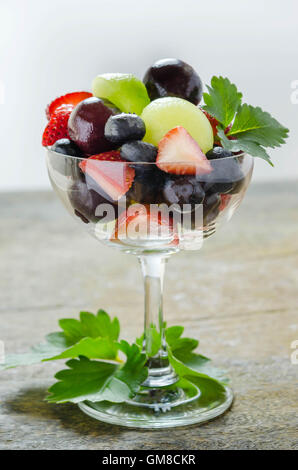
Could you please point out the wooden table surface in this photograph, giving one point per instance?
(238, 295)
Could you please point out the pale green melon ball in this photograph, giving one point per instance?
(124, 90)
(163, 114)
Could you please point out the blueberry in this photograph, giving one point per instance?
(138, 151)
(211, 206)
(218, 152)
(140, 193)
(187, 193)
(146, 188)
(145, 173)
(61, 163)
(66, 147)
(81, 216)
(183, 190)
(226, 176)
(124, 128)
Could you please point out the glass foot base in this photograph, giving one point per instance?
(182, 411)
(162, 399)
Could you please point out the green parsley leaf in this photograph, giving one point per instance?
(57, 340)
(128, 379)
(256, 125)
(97, 380)
(210, 388)
(252, 128)
(134, 372)
(24, 359)
(244, 145)
(93, 348)
(82, 381)
(95, 372)
(93, 326)
(223, 100)
(55, 345)
(178, 344)
(153, 341)
(182, 348)
(58, 344)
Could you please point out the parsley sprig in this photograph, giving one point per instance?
(242, 127)
(101, 367)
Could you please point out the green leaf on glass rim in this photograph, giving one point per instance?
(96, 380)
(255, 125)
(93, 326)
(211, 389)
(222, 101)
(243, 145)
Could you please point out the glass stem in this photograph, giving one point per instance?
(161, 373)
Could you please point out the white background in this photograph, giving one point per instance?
(51, 47)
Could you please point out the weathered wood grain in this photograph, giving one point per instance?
(239, 296)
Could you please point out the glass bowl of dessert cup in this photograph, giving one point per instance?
(142, 209)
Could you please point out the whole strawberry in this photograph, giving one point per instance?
(70, 98)
(57, 126)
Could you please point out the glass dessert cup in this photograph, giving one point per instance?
(158, 215)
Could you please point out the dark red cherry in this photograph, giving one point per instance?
(87, 123)
(90, 204)
(173, 77)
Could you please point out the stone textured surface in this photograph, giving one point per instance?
(238, 296)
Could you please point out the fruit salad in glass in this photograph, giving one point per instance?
(148, 168)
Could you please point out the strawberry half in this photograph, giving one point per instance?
(110, 172)
(225, 199)
(179, 153)
(70, 98)
(57, 126)
(139, 223)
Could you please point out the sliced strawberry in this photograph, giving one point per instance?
(225, 199)
(179, 153)
(69, 98)
(110, 172)
(57, 126)
(141, 223)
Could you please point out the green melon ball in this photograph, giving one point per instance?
(124, 90)
(163, 114)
